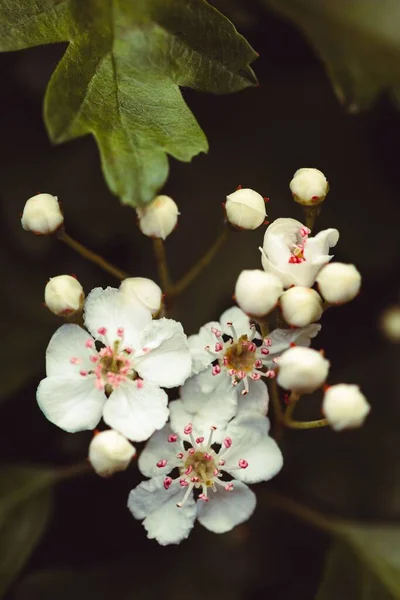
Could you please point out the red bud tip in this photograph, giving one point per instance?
(266, 200)
(292, 345)
(239, 187)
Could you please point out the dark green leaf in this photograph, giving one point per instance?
(358, 41)
(119, 78)
(25, 505)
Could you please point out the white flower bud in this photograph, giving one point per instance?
(345, 406)
(309, 186)
(257, 292)
(143, 290)
(110, 452)
(302, 370)
(245, 209)
(42, 214)
(64, 295)
(338, 282)
(159, 218)
(390, 323)
(300, 306)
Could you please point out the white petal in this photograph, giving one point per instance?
(225, 510)
(286, 276)
(163, 520)
(136, 412)
(109, 308)
(68, 342)
(72, 402)
(201, 420)
(201, 359)
(282, 338)
(256, 401)
(320, 244)
(250, 441)
(167, 361)
(238, 318)
(157, 448)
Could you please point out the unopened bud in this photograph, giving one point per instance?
(390, 323)
(300, 306)
(143, 291)
(345, 406)
(42, 214)
(110, 452)
(159, 218)
(245, 209)
(339, 282)
(302, 370)
(257, 292)
(309, 186)
(64, 295)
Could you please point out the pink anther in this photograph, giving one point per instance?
(89, 343)
(83, 373)
(207, 456)
(179, 455)
(218, 347)
(162, 463)
(188, 429)
(189, 470)
(221, 462)
(102, 330)
(74, 360)
(227, 442)
(267, 341)
(167, 482)
(216, 370)
(183, 483)
(139, 383)
(243, 464)
(120, 331)
(229, 487)
(173, 437)
(255, 376)
(199, 440)
(94, 358)
(203, 497)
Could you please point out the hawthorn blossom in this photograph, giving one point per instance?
(235, 348)
(168, 505)
(115, 372)
(290, 253)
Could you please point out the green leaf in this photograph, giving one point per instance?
(120, 75)
(358, 41)
(347, 578)
(25, 507)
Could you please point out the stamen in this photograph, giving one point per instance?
(199, 440)
(189, 470)
(89, 343)
(246, 387)
(183, 483)
(229, 487)
(258, 364)
(186, 496)
(227, 442)
(210, 437)
(139, 383)
(102, 330)
(267, 341)
(219, 347)
(255, 376)
(271, 374)
(94, 358)
(180, 455)
(74, 360)
(162, 463)
(207, 456)
(265, 351)
(173, 437)
(221, 462)
(243, 464)
(188, 429)
(167, 482)
(216, 332)
(120, 332)
(216, 370)
(83, 373)
(234, 334)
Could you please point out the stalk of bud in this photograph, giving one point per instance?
(159, 218)
(257, 292)
(64, 295)
(300, 306)
(345, 406)
(42, 214)
(110, 452)
(245, 209)
(143, 291)
(339, 282)
(309, 187)
(302, 370)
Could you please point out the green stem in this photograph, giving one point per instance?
(310, 215)
(162, 265)
(288, 420)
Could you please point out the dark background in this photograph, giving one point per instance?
(258, 138)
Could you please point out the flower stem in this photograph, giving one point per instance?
(205, 260)
(288, 420)
(162, 265)
(90, 255)
(311, 213)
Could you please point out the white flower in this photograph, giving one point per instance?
(64, 295)
(167, 505)
(292, 255)
(245, 209)
(338, 282)
(345, 406)
(309, 186)
(241, 355)
(42, 214)
(257, 292)
(143, 290)
(122, 380)
(302, 370)
(300, 306)
(159, 218)
(110, 452)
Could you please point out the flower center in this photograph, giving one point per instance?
(202, 466)
(241, 356)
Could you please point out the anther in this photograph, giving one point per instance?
(216, 370)
(227, 442)
(188, 429)
(199, 440)
(162, 463)
(102, 330)
(167, 482)
(267, 341)
(207, 456)
(189, 470)
(183, 483)
(94, 358)
(74, 360)
(218, 347)
(221, 462)
(191, 451)
(120, 331)
(229, 487)
(243, 464)
(203, 497)
(216, 332)
(89, 343)
(173, 437)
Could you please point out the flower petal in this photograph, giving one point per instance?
(286, 276)
(109, 308)
(282, 338)
(167, 362)
(157, 448)
(136, 409)
(68, 342)
(201, 359)
(238, 318)
(225, 510)
(163, 520)
(250, 441)
(72, 402)
(320, 245)
(256, 401)
(201, 422)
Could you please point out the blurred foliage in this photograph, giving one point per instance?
(357, 40)
(119, 78)
(25, 507)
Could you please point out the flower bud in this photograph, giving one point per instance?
(42, 214)
(300, 306)
(309, 187)
(64, 295)
(110, 452)
(159, 218)
(302, 370)
(338, 282)
(245, 209)
(257, 292)
(144, 291)
(345, 406)
(390, 323)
